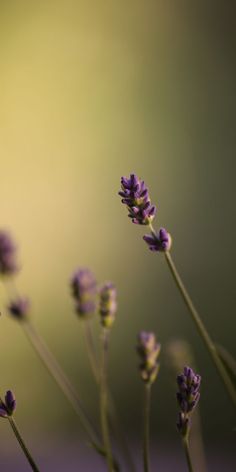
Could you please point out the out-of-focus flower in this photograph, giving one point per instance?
(135, 196)
(19, 308)
(149, 350)
(160, 242)
(8, 264)
(84, 289)
(108, 304)
(187, 397)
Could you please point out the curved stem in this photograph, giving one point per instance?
(146, 435)
(104, 401)
(187, 454)
(201, 329)
(22, 444)
(61, 380)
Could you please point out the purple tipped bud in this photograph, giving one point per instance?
(8, 264)
(8, 407)
(148, 350)
(135, 196)
(10, 402)
(108, 304)
(187, 397)
(19, 308)
(160, 242)
(84, 289)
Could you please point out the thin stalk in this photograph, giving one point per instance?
(22, 444)
(201, 329)
(91, 352)
(112, 412)
(146, 429)
(62, 381)
(104, 401)
(187, 454)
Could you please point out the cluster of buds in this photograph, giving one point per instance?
(148, 350)
(19, 308)
(160, 242)
(108, 304)
(187, 397)
(84, 290)
(135, 196)
(8, 407)
(8, 264)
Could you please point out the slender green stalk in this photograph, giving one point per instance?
(187, 454)
(22, 444)
(62, 381)
(201, 329)
(112, 412)
(90, 347)
(104, 401)
(146, 430)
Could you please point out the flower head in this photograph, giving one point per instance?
(135, 196)
(160, 242)
(187, 397)
(148, 350)
(108, 304)
(8, 407)
(84, 289)
(19, 308)
(7, 254)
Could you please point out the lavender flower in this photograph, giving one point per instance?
(84, 289)
(187, 397)
(160, 242)
(135, 196)
(108, 304)
(7, 254)
(19, 308)
(149, 350)
(8, 407)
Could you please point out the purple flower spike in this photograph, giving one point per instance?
(160, 242)
(10, 402)
(8, 407)
(135, 196)
(84, 289)
(19, 308)
(148, 350)
(7, 254)
(108, 304)
(187, 397)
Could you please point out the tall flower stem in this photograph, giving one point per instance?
(201, 328)
(22, 444)
(91, 351)
(112, 412)
(104, 400)
(187, 454)
(61, 380)
(146, 430)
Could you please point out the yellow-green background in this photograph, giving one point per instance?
(90, 91)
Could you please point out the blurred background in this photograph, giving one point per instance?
(90, 91)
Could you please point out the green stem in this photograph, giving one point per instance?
(22, 444)
(90, 347)
(104, 401)
(201, 329)
(92, 355)
(62, 381)
(146, 435)
(187, 454)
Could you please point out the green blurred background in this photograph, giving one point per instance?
(90, 91)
